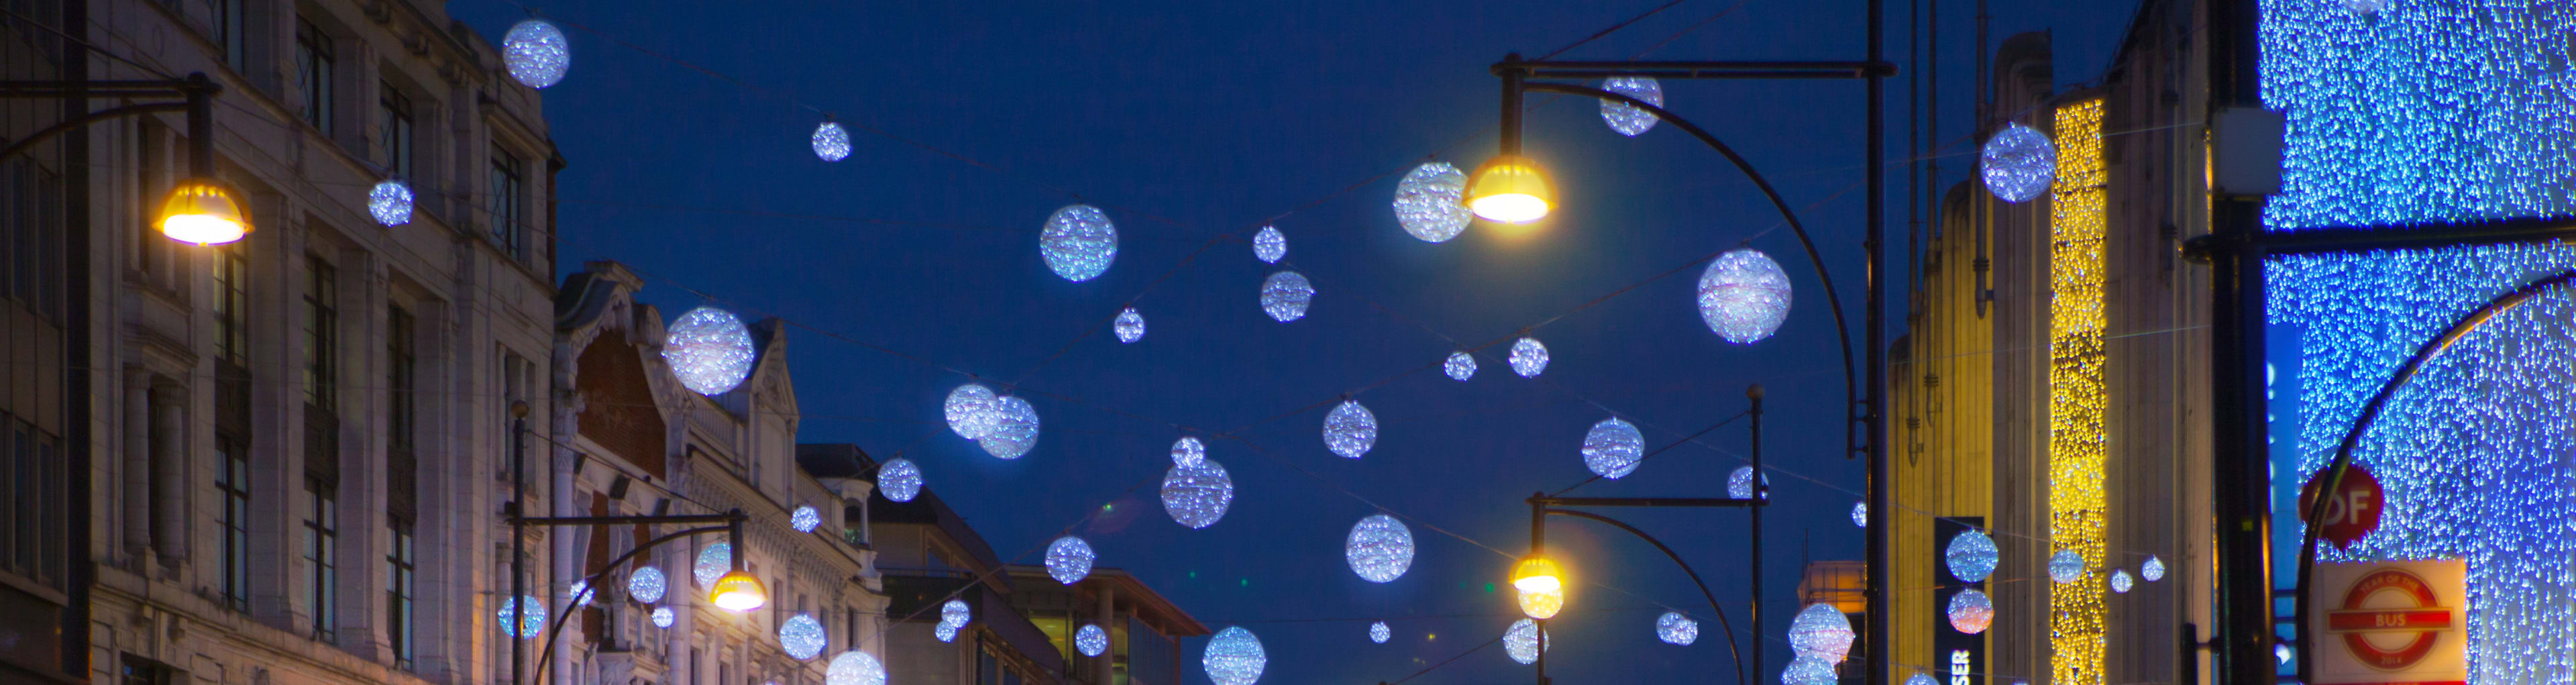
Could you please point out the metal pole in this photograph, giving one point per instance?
(201, 125)
(1512, 74)
(1760, 494)
(1538, 514)
(1879, 500)
(518, 535)
(2241, 460)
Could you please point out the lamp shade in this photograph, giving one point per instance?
(739, 591)
(204, 212)
(1511, 189)
(1541, 584)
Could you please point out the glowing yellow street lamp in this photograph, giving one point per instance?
(1541, 584)
(203, 212)
(1510, 189)
(739, 591)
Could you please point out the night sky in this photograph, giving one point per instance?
(1189, 121)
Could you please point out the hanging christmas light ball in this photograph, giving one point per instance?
(2364, 8)
(1379, 633)
(1197, 495)
(522, 626)
(1625, 118)
(801, 637)
(970, 411)
(1068, 560)
(1078, 242)
(1971, 611)
(899, 480)
(646, 585)
(1091, 640)
(1234, 657)
(1379, 548)
(1529, 357)
(2281, 653)
(1130, 326)
(1015, 428)
(945, 632)
(536, 53)
(804, 519)
(1269, 245)
(1808, 670)
(1612, 448)
(1919, 678)
(854, 667)
(1350, 430)
(955, 612)
(1285, 296)
(390, 202)
(1460, 366)
(1972, 556)
(831, 142)
(1523, 641)
(663, 616)
(2121, 582)
(1187, 451)
(2018, 163)
(709, 349)
(1674, 628)
(580, 593)
(713, 562)
(1428, 202)
(1821, 631)
(2153, 570)
(1743, 296)
(1739, 483)
(2066, 566)
(1860, 514)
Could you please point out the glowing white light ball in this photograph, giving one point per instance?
(831, 142)
(1379, 633)
(1739, 483)
(1919, 678)
(1625, 118)
(390, 203)
(710, 350)
(955, 612)
(1860, 514)
(536, 53)
(2120, 581)
(713, 563)
(945, 632)
(1197, 495)
(647, 585)
(1972, 556)
(854, 667)
(1234, 657)
(1068, 560)
(1529, 357)
(1350, 430)
(1523, 641)
(1460, 366)
(2364, 8)
(2281, 653)
(526, 626)
(804, 519)
(1130, 326)
(899, 480)
(1379, 548)
(1612, 448)
(2066, 566)
(2019, 163)
(580, 593)
(1269, 245)
(1188, 451)
(663, 616)
(1808, 670)
(1091, 640)
(1428, 202)
(1821, 631)
(970, 411)
(1743, 296)
(1015, 428)
(1078, 242)
(1285, 296)
(1971, 611)
(801, 636)
(2153, 570)
(1674, 628)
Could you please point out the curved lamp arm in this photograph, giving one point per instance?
(1731, 647)
(591, 584)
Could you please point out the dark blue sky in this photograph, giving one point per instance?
(1186, 121)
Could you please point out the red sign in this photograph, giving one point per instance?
(2351, 513)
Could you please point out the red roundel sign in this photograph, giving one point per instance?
(2390, 619)
(2351, 513)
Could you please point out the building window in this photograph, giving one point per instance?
(31, 528)
(321, 545)
(401, 474)
(232, 480)
(508, 202)
(31, 208)
(399, 568)
(321, 334)
(232, 292)
(517, 376)
(313, 64)
(141, 671)
(152, 250)
(396, 110)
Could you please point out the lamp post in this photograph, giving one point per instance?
(199, 209)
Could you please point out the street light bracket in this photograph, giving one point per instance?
(1731, 647)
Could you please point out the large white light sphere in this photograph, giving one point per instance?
(801, 637)
(854, 667)
(1197, 495)
(970, 411)
(522, 626)
(1971, 611)
(1285, 296)
(1625, 118)
(1068, 559)
(1612, 448)
(1860, 514)
(955, 612)
(1674, 628)
(1379, 548)
(2066, 566)
(536, 53)
(647, 585)
(1460, 366)
(390, 202)
(2121, 582)
(1523, 641)
(1091, 640)
(713, 563)
(1269, 245)
(1234, 657)
(2153, 570)
(1078, 242)
(1920, 678)
(1350, 430)
(900, 480)
(1529, 357)
(2019, 163)
(805, 519)
(1821, 631)
(1379, 633)
(709, 349)
(1808, 670)
(831, 142)
(1188, 451)
(663, 616)
(945, 632)
(1130, 326)
(1971, 556)
(1015, 428)
(1743, 296)
(1739, 483)
(1428, 202)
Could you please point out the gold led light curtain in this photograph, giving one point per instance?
(2076, 394)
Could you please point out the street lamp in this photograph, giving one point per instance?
(204, 212)
(199, 210)
(739, 591)
(1541, 584)
(1510, 189)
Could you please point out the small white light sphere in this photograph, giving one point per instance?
(1130, 326)
(1744, 296)
(1015, 428)
(709, 350)
(1529, 357)
(1269, 245)
(945, 632)
(1674, 628)
(1078, 242)
(1428, 202)
(1379, 548)
(1285, 296)
(955, 612)
(2281, 653)
(804, 519)
(390, 202)
(1739, 483)
(1460, 366)
(1821, 631)
(831, 142)
(1971, 556)
(2364, 8)
(1920, 678)
(713, 563)
(801, 637)
(536, 53)
(663, 616)
(647, 585)
(2066, 566)
(2153, 570)
(2121, 582)
(1068, 560)
(900, 480)
(1971, 611)
(854, 667)
(1612, 448)
(1379, 633)
(1188, 451)
(1523, 641)
(1350, 430)
(522, 627)
(1625, 118)
(970, 411)
(2019, 163)
(1860, 514)
(1234, 657)
(1091, 640)
(1808, 670)
(1197, 495)
(581, 593)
